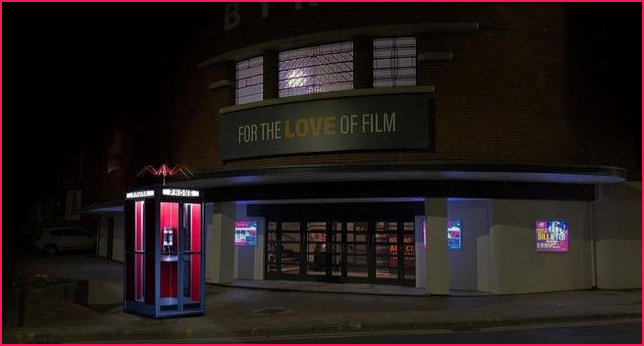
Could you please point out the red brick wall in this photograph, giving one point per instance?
(505, 95)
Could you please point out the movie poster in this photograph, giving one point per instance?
(454, 235)
(552, 236)
(245, 233)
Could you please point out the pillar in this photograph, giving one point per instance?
(271, 75)
(437, 256)
(363, 63)
(258, 272)
(421, 261)
(220, 242)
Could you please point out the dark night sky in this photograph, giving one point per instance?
(72, 67)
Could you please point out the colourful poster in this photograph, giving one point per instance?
(552, 236)
(424, 234)
(245, 233)
(454, 235)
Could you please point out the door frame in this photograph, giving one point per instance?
(343, 277)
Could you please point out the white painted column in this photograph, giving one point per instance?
(220, 242)
(437, 256)
(209, 246)
(421, 260)
(258, 270)
(240, 214)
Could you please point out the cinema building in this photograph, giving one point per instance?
(438, 146)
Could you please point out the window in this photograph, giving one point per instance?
(249, 80)
(394, 62)
(316, 69)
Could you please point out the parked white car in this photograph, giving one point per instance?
(52, 240)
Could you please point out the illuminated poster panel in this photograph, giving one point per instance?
(552, 236)
(424, 233)
(245, 233)
(454, 235)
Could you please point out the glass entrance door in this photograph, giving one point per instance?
(337, 251)
(191, 257)
(357, 263)
(395, 252)
(386, 250)
(290, 248)
(325, 255)
(283, 249)
(169, 256)
(317, 249)
(341, 251)
(180, 256)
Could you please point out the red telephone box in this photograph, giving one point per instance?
(164, 262)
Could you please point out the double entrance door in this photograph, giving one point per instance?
(377, 251)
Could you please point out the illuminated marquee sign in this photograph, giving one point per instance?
(180, 193)
(139, 194)
(552, 236)
(245, 233)
(353, 122)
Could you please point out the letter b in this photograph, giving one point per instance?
(231, 15)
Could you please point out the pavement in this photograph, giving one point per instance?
(293, 308)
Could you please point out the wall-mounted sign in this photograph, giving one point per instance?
(180, 193)
(454, 235)
(552, 236)
(233, 15)
(360, 122)
(139, 194)
(245, 233)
